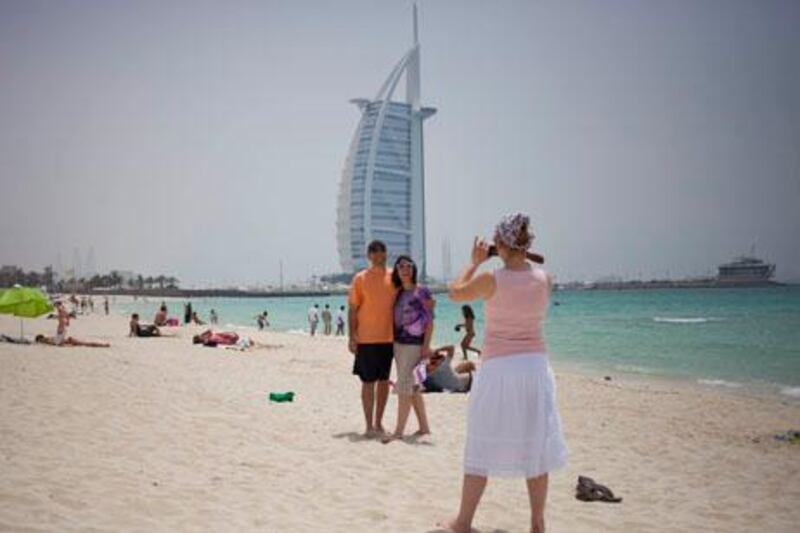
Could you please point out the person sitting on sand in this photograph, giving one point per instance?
(443, 377)
(196, 319)
(70, 341)
(161, 316)
(469, 330)
(142, 330)
(209, 338)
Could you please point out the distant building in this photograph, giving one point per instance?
(382, 191)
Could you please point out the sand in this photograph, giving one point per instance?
(161, 435)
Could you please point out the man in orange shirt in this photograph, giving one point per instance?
(371, 328)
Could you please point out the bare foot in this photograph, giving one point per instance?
(379, 430)
(386, 439)
(454, 526)
(421, 432)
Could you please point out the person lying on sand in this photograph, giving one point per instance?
(142, 330)
(209, 338)
(443, 377)
(13, 340)
(70, 341)
(245, 344)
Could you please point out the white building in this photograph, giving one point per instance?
(382, 192)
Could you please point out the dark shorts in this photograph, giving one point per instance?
(373, 362)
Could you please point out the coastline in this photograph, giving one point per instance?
(436, 288)
(159, 434)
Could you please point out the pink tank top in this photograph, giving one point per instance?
(515, 312)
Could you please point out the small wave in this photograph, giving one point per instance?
(794, 392)
(719, 383)
(684, 320)
(633, 369)
(298, 332)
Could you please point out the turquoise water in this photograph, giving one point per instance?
(725, 337)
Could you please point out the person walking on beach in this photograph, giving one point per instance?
(105, 304)
(513, 425)
(63, 322)
(187, 313)
(469, 330)
(413, 327)
(340, 321)
(212, 317)
(371, 334)
(327, 319)
(313, 318)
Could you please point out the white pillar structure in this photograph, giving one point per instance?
(382, 190)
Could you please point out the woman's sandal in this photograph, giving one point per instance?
(588, 490)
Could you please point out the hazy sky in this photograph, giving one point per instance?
(206, 139)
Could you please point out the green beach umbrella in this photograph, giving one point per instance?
(24, 302)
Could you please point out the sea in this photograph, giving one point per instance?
(727, 338)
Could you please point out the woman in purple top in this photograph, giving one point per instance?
(413, 327)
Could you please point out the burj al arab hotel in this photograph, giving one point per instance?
(382, 191)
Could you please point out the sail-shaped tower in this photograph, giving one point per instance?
(382, 190)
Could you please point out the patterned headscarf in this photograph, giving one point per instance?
(510, 228)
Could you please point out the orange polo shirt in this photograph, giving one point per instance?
(373, 294)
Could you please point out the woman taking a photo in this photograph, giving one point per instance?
(413, 328)
(513, 425)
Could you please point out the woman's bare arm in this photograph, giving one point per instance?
(468, 286)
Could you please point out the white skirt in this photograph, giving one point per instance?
(513, 426)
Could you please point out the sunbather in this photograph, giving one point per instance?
(14, 340)
(70, 341)
(209, 338)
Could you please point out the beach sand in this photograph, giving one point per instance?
(161, 435)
